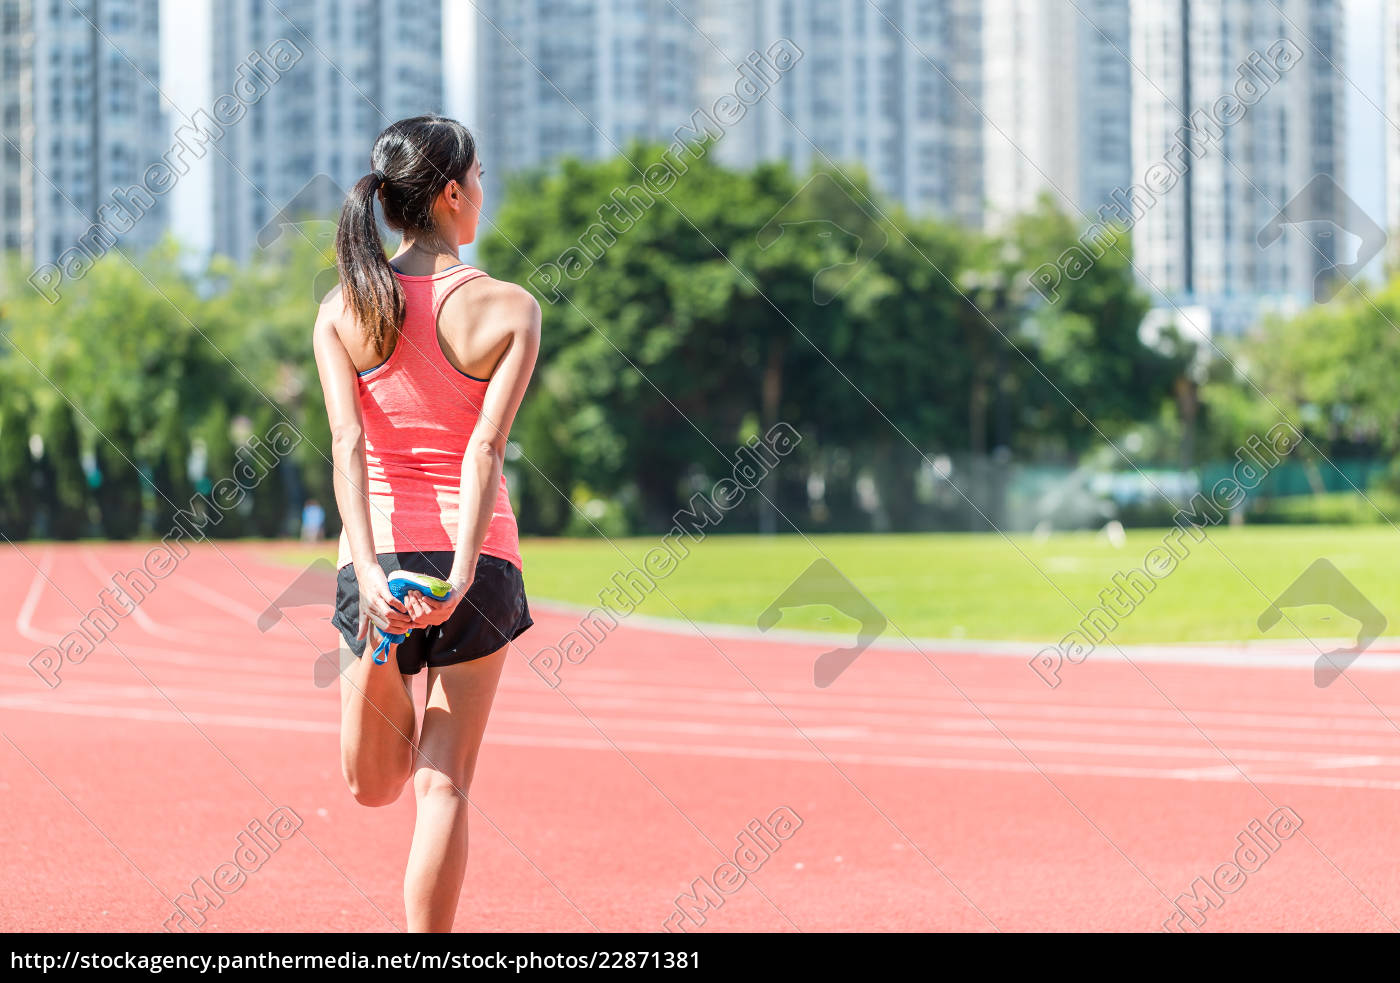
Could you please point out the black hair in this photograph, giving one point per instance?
(411, 163)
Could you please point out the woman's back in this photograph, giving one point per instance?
(420, 408)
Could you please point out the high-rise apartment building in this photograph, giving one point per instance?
(360, 65)
(81, 119)
(579, 78)
(1237, 152)
(892, 86)
(1391, 107)
(1057, 102)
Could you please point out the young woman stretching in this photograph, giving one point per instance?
(424, 362)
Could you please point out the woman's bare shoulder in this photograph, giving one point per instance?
(334, 317)
(332, 307)
(503, 305)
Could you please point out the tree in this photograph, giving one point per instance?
(65, 492)
(1092, 375)
(710, 313)
(18, 501)
(118, 492)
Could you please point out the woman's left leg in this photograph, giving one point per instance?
(454, 720)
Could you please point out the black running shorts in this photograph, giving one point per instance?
(493, 612)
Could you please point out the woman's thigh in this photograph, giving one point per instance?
(454, 716)
(376, 704)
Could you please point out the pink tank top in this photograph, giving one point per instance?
(419, 411)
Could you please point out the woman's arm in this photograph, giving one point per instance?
(351, 477)
(486, 450)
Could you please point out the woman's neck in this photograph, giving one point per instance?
(423, 258)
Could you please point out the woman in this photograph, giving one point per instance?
(423, 361)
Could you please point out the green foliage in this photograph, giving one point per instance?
(118, 492)
(1333, 508)
(1328, 371)
(1095, 376)
(19, 502)
(151, 359)
(685, 323)
(757, 296)
(65, 487)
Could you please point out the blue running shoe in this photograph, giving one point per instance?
(400, 583)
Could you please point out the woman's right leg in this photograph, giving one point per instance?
(454, 721)
(377, 723)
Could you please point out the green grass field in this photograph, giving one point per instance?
(982, 586)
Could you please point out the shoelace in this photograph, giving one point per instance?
(381, 652)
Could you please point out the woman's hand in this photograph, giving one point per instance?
(378, 606)
(429, 611)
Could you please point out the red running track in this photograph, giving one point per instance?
(936, 790)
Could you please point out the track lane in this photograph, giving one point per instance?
(627, 784)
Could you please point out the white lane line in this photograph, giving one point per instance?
(249, 655)
(1383, 655)
(309, 700)
(1340, 763)
(1272, 727)
(604, 679)
(760, 754)
(247, 617)
(1275, 728)
(24, 621)
(992, 705)
(201, 636)
(1343, 761)
(99, 671)
(650, 728)
(276, 659)
(165, 716)
(1210, 773)
(1312, 753)
(268, 667)
(137, 612)
(254, 688)
(1308, 750)
(616, 725)
(866, 735)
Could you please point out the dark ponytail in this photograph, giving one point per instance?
(412, 162)
(372, 292)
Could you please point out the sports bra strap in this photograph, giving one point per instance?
(442, 290)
